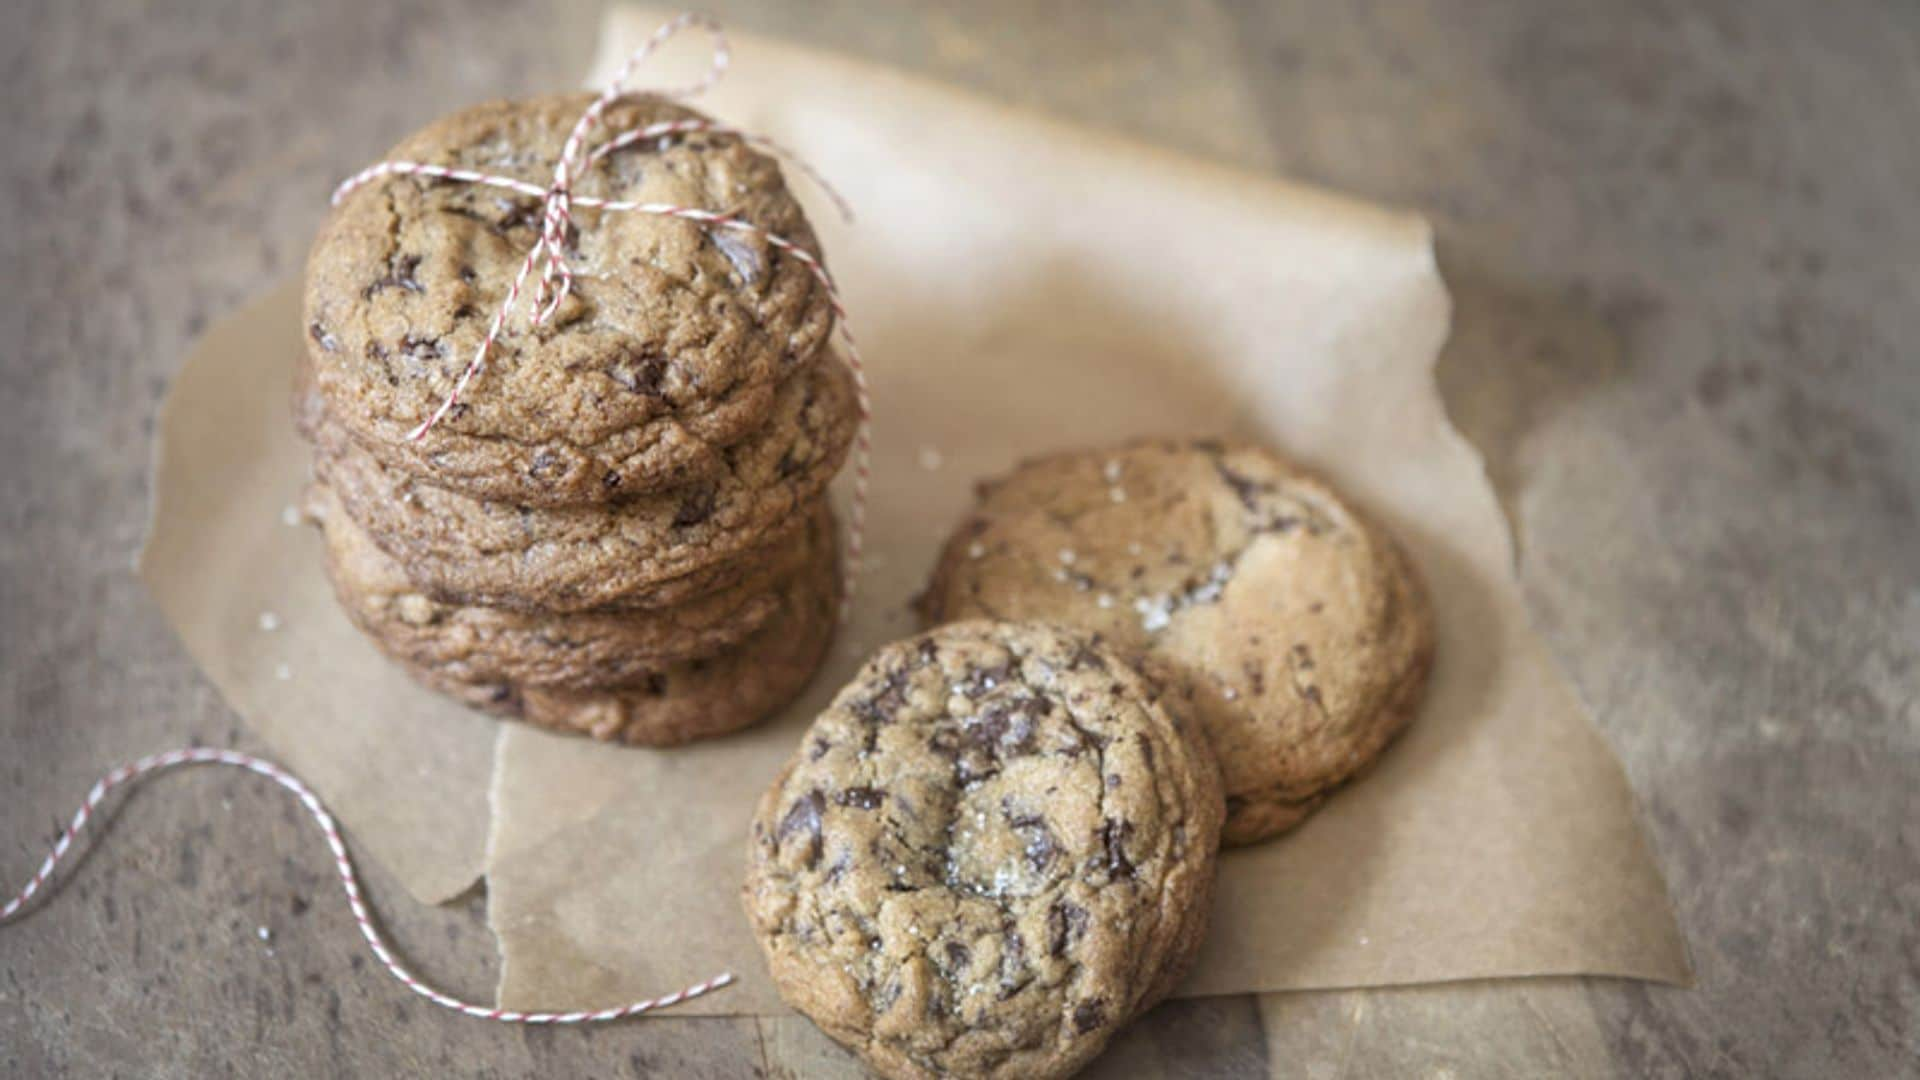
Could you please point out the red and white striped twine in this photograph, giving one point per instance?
(556, 278)
(349, 881)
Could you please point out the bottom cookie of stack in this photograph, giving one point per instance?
(715, 663)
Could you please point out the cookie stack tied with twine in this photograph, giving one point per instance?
(575, 410)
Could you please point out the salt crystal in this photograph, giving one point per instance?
(1060, 575)
(269, 621)
(1117, 495)
(290, 515)
(1104, 600)
(930, 458)
(264, 934)
(1155, 614)
(282, 672)
(1112, 472)
(1133, 548)
(1067, 556)
(976, 549)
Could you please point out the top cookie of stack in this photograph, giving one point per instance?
(672, 348)
(652, 456)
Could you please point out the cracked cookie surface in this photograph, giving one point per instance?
(577, 558)
(992, 850)
(695, 699)
(669, 347)
(1290, 625)
(578, 651)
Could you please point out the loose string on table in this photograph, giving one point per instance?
(349, 881)
(555, 281)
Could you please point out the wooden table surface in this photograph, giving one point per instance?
(1680, 239)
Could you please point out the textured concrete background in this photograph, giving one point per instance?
(1680, 239)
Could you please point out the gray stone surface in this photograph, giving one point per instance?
(1680, 239)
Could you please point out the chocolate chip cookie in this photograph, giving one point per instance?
(579, 651)
(1293, 627)
(575, 558)
(670, 345)
(697, 699)
(992, 850)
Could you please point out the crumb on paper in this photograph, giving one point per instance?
(282, 672)
(290, 516)
(269, 621)
(931, 458)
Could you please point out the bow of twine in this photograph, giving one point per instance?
(555, 282)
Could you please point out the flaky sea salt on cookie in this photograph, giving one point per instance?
(991, 851)
(1290, 625)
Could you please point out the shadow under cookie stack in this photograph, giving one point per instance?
(623, 529)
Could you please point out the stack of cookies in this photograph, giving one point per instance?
(621, 529)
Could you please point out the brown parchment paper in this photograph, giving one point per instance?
(405, 770)
(1021, 286)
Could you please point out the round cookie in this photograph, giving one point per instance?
(1293, 628)
(578, 651)
(990, 852)
(670, 345)
(577, 558)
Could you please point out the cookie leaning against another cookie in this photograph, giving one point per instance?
(1296, 628)
(990, 852)
(669, 346)
(697, 699)
(578, 558)
(578, 651)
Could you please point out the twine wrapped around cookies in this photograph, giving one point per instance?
(556, 278)
(555, 282)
